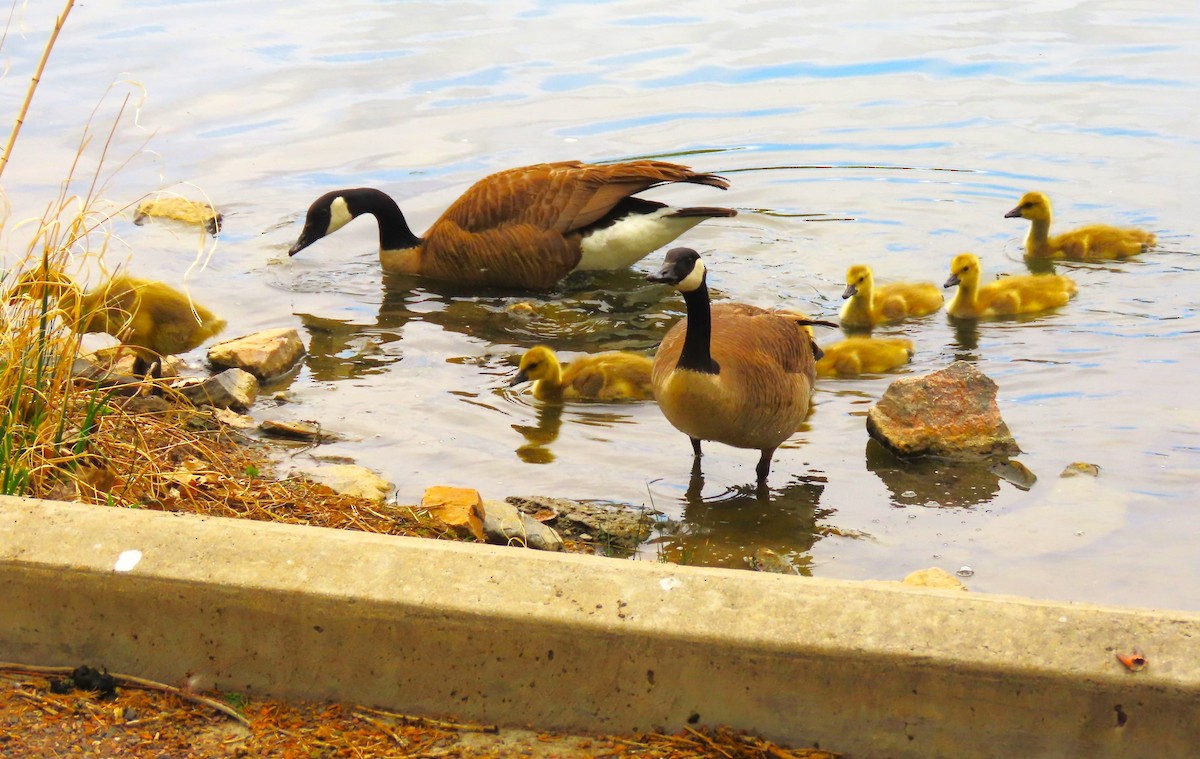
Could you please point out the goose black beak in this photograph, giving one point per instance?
(1013, 214)
(850, 292)
(664, 276)
(954, 280)
(305, 240)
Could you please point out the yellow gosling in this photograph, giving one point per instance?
(151, 317)
(864, 355)
(1094, 241)
(1019, 294)
(611, 376)
(868, 305)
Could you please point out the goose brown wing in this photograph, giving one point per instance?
(562, 197)
(760, 337)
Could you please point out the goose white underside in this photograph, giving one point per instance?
(633, 238)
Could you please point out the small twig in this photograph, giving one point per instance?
(42, 702)
(132, 681)
(429, 722)
(708, 740)
(388, 731)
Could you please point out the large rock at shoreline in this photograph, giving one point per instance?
(617, 528)
(267, 354)
(504, 524)
(349, 479)
(460, 509)
(951, 413)
(232, 388)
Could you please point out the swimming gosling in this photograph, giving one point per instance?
(1094, 241)
(1018, 294)
(609, 376)
(868, 304)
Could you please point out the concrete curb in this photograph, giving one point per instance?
(581, 643)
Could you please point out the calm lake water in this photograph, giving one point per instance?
(895, 135)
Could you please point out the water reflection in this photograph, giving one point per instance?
(730, 527)
(539, 436)
(932, 482)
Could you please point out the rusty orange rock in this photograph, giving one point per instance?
(951, 413)
(460, 509)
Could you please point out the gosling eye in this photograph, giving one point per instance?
(534, 365)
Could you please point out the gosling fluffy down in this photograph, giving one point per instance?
(611, 376)
(1019, 294)
(1094, 241)
(733, 373)
(864, 355)
(868, 304)
(526, 227)
(152, 317)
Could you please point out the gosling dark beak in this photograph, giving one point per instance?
(850, 292)
(954, 280)
(1013, 214)
(521, 377)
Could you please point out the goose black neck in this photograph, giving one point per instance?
(394, 233)
(697, 339)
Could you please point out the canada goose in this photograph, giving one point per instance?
(1093, 241)
(864, 355)
(151, 317)
(527, 227)
(868, 304)
(733, 373)
(611, 376)
(1019, 294)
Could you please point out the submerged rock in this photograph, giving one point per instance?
(267, 354)
(1080, 468)
(232, 388)
(933, 577)
(460, 509)
(299, 430)
(505, 524)
(1013, 471)
(349, 479)
(950, 413)
(612, 525)
(767, 560)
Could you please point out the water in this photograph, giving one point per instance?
(853, 132)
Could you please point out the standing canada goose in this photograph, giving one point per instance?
(863, 355)
(151, 317)
(1093, 241)
(1018, 294)
(527, 227)
(610, 376)
(733, 373)
(868, 304)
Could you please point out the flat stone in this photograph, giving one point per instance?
(232, 388)
(460, 509)
(950, 413)
(933, 577)
(504, 524)
(615, 525)
(349, 479)
(298, 430)
(1080, 468)
(267, 354)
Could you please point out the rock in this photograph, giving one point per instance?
(232, 388)
(349, 479)
(460, 509)
(1080, 468)
(1013, 471)
(766, 560)
(615, 526)
(503, 523)
(299, 430)
(267, 354)
(951, 413)
(934, 577)
(179, 209)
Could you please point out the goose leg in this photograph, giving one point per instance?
(695, 446)
(764, 465)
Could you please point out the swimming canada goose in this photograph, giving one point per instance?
(527, 227)
(151, 317)
(733, 373)
(611, 376)
(1093, 241)
(868, 304)
(1019, 294)
(863, 355)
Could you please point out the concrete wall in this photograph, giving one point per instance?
(582, 643)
